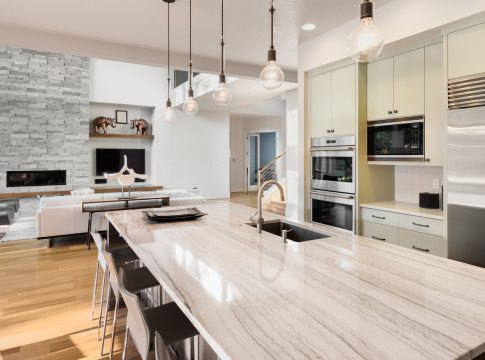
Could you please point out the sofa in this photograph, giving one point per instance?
(62, 215)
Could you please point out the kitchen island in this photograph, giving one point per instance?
(341, 297)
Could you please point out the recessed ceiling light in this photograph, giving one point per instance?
(309, 27)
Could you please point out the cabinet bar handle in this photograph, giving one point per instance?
(419, 249)
(426, 226)
(376, 238)
(389, 112)
(379, 217)
(395, 111)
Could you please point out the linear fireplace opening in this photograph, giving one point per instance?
(36, 178)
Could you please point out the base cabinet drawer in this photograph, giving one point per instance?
(421, 224)
(429, 244)
(380, 232)
(380, 217)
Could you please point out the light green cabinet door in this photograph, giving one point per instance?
(409, 83)
(344, 100)
(466, 51)
(320, 105)
(435, 105)
(380, 89)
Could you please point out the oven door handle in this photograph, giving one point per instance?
(334, 148)
(342, 196)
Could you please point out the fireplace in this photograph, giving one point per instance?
(36, 178)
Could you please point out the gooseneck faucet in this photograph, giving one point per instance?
(260, 220)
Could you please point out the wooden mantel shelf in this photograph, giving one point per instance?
(122, 136)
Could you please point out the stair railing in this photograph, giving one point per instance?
(270, 171)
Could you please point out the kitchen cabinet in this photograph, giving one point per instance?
(466, 51)
(333, 102)
(435, 106)
(320, 104)
(419, 233)
(395, 86)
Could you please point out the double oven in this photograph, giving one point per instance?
(333, 182)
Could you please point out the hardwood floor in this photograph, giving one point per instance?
(245, 198)
(45, 302)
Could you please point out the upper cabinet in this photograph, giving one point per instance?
(333, 102)
(466, 51)
(395, 86)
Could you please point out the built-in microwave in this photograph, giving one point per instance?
(396, 139)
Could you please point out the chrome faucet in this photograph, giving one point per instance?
(260, 220)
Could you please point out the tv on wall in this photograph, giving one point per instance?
(111, 160)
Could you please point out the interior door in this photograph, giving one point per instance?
(253, 161)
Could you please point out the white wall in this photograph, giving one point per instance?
(187, 152)
(411, 180)
(239, 128)
(194, 152)
(293, 163)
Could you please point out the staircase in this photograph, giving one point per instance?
(271, 197)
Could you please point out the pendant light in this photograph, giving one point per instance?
(272, 76)
(190, 105)
(366, 42)
(222, 95)
(169, 113)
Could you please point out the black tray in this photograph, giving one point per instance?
(174, 215)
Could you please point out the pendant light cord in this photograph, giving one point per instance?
(168, 54)
(190, 47)
(221, 77)
(272, 10)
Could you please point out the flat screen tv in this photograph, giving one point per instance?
(111, 160)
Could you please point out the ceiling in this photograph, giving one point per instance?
(142, 23)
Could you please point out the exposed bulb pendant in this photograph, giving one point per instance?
(222, 95)
(190, 105)
(272, 76)
(169, 112)
(366, 42)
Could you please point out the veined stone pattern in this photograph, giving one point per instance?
(44, 115)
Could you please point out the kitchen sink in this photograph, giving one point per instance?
(294, 232)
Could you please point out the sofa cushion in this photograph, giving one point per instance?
(68, 200)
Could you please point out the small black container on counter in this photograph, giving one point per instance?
(429, 200)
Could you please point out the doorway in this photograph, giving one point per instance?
(261, 149)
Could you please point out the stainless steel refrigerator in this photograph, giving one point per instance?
(466, 185)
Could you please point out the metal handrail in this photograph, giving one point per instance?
(269, 165)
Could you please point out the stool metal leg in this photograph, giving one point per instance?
(106, 317)
(101, 303)
(125, 343)
(88, 238)
(95, 289)
(113, 331)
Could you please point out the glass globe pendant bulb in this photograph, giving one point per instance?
(169, 114)
(190, 106)
(272, 76)
(366, 42)
(222, 95)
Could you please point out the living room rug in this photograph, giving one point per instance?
(24, 228)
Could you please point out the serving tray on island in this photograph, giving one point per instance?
(174, 215)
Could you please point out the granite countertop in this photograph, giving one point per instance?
(405, 208)
(342, 297)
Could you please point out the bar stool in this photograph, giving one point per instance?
(136, 280)
(162, 351)
(121, 257)
(141, 324)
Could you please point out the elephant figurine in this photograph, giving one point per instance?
(103, 122)
(141, 126)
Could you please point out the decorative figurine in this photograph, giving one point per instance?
(141, 126)
(125, 179)
(103, 122)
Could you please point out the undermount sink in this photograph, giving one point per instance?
(294, 232)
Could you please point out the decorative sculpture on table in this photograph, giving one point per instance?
(125, 177)
(103, 122)
(141, 126)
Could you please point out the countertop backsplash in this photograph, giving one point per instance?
(411, 180)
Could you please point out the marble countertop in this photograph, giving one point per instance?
(405, 208)
(342, 297)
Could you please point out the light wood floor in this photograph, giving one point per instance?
(245, 198)
(45, 302)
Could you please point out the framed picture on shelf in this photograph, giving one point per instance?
(121, 116)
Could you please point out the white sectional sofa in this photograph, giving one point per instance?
(62, 215)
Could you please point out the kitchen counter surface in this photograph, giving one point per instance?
(405, 208)
(342, 297)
